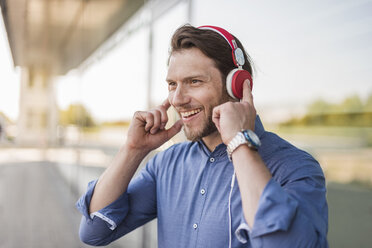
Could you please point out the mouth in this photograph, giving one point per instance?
(189, 114)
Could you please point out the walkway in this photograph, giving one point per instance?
(38, 195)
(36, 208)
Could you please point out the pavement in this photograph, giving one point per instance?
(350, 215)
(36, 207)
(38, 191)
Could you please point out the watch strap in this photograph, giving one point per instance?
(241, 138)
(237, 141)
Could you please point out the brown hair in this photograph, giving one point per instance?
(211, 44)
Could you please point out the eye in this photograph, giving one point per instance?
(195, 81)
(172, 85)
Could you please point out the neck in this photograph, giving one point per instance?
(212, 140)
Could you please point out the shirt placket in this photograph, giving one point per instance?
(202, 195)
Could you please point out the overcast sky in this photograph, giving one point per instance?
(302, 51)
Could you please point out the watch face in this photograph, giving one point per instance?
(254, 138)
(239, 56)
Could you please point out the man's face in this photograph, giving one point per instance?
(195, 88)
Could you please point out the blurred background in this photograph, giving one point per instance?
(73, 72)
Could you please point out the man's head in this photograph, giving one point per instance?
(212, 44)
(199, 62)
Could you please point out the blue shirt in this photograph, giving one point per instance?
(187, 188)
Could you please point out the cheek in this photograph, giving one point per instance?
(170, 98)
(212, 95)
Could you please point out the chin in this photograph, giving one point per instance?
(196, 135)
(192, 135)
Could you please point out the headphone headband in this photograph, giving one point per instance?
(226, 35)
(237, 53)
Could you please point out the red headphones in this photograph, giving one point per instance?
(237, 76)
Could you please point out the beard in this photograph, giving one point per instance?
(207, 127)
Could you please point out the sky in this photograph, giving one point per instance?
(302, 51)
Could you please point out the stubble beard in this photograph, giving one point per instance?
(208, 126)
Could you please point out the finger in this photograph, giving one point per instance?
(166, 104)
(163, 116)
(157, 121)
(247, 93)
(174, 129)
(149, 120)
(216, 117)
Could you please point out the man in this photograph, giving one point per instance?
(278, 196)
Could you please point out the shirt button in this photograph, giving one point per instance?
(211, 160)
(195, 226)
(202, 191)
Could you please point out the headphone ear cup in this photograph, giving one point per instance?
(234, 82)
(229, 82)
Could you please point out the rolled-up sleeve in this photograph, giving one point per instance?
(276, 212)
(290, 215)
(132, 209)
(112, 214)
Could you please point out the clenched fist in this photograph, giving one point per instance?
(147, 130)
(232, 117)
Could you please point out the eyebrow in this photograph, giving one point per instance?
(188, 78)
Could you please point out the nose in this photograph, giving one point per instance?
(179, 96)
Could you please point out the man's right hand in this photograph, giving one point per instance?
(147, 129)
(146, 133)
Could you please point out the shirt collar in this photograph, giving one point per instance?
(219, 151)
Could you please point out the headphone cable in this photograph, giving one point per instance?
(230, 219)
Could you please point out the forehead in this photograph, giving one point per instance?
(189, 61)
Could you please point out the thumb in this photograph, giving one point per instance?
(216, 117)
(174, 129)
(247, 93)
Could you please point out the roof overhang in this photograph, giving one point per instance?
(58, 35)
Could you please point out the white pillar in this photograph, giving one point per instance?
(38, 114)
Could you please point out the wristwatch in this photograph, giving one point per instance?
(247, 137)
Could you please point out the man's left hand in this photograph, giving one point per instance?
(232, 117)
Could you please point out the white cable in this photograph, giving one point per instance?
(230, 220)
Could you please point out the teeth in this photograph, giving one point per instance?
(188, 113)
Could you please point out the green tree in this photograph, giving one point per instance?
(76, 114)
(352, 111)
(351, 104)
(319, 107)
(368, 104)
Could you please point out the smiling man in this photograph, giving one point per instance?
(195, 88)
(232, 185)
